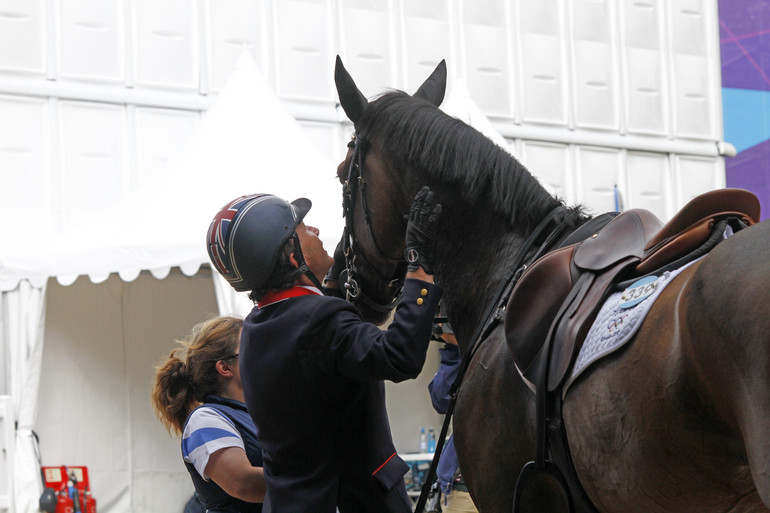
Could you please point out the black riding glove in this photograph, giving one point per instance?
(421, 231)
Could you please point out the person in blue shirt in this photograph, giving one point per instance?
(199, 396)
(456, 496)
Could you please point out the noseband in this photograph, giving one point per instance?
(353, 291)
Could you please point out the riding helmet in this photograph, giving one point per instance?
(246, 235)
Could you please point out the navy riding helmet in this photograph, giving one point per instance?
(246, 235)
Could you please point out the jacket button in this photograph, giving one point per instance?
(420, 301)
(424, 292)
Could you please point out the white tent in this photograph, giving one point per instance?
(246, 143)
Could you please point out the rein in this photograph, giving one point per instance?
(353, 290)
(492, 317)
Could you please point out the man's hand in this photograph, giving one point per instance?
(421, 231)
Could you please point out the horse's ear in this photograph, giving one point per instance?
(352, 100)
(434, 87)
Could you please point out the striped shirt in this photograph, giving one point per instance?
(205, 432)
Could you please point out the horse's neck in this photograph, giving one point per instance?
(472, 274)
(475, 261)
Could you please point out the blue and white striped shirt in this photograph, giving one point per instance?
(205, 432)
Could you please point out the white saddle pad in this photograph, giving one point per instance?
(619, 319)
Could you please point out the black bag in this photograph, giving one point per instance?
(433, 504)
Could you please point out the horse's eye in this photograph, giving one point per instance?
(352, 144)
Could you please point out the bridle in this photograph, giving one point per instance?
(351, 275)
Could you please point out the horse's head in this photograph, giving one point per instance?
(374, 203)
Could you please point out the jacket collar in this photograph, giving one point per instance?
(276, 296)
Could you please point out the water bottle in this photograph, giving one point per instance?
(431, 440)
(423, 441)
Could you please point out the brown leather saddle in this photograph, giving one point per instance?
(633, 244)
(555, 301)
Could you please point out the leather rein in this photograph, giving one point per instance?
(494, 314)
(349, 277)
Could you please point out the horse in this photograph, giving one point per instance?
(676, 420)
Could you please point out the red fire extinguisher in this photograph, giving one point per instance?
(64, 503)
(90, 502)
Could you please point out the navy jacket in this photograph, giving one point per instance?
(312, 374)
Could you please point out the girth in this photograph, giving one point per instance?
(555, 301)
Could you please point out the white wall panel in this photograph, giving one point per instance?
(595, 86)
(233, 26)
(427, 39)
(543, 72)
(691, 70)
(598, 171)
(645, 110)
(550, 163)
(23, 36)
(642, 23)
(25, 172)
(648, 183)
(688, 30)
(160, 135)
(93, 162)
(641, 41)
(367, 44)
(91, 39)
(693, 116)
(166, 32)
(488, 55)
(23, 148)
(594, 65)
(695, 176)
(303, 34)
(329, 140)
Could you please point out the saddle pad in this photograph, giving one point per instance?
(618, 320)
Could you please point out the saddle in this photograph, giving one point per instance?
(632, 245)
(555, 301)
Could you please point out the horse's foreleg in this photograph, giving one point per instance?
(494, 429)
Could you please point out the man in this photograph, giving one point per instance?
(311, 368)
(456, 496)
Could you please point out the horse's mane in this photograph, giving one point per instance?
(419, 135)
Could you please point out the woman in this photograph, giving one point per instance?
(198, 394)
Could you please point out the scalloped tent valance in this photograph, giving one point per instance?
(247, 142)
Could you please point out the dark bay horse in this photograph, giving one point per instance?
(677, 420)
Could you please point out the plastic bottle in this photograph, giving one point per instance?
(423, 441)
(431, 440)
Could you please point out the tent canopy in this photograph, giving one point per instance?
(246, 143)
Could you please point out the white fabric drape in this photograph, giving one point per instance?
(230, 302)
(23, 312)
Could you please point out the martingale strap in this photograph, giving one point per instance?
(493, 315)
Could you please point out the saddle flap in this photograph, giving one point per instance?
(624, 236)
(572, 328)
(534, 302)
